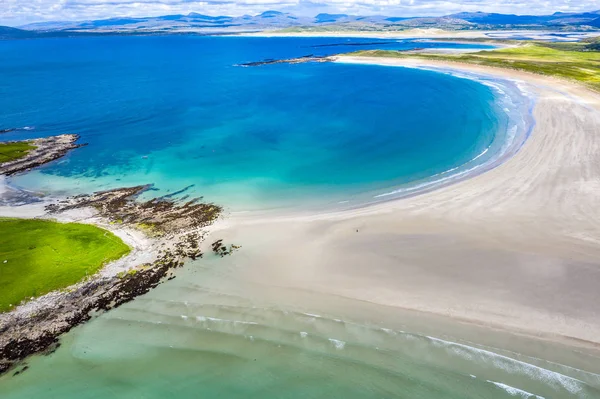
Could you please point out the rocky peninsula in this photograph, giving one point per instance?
(297, 60)
(172, 229)
(44, 150)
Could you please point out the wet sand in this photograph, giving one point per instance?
(516, 248)
(355, 303)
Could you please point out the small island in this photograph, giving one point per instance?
(19, 156)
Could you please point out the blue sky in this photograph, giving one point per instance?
(15, 12)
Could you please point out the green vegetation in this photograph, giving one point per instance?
(588, 44)
(40, 256)
(12, 151)
(573, 61)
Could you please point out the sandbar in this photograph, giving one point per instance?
(515, 248)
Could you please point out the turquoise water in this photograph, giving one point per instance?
(176, 112)
(211, 334)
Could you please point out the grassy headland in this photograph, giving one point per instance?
(40, 256)
(14, 150)
(578, 62)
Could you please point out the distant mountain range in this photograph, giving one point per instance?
(270, 20)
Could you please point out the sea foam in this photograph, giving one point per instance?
(516, 391)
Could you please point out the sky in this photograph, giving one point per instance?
(17, 12)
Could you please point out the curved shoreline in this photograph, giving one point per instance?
(469, 169)
(515, 248)
(471, 250)
(46, 149)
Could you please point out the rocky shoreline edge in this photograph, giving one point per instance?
(46, 150)
(172, 228)
(297, 60)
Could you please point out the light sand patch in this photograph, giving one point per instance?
(516, 247)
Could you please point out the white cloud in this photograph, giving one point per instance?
(14, 12)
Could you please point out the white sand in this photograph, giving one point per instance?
(517, 247)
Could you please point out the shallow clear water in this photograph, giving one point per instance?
(177, 112)
(212, 334)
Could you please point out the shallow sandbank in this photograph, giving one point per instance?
(514, 248)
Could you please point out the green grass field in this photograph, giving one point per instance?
(11, 151)
(40, 256)
(578, 62)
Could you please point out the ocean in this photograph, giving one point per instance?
(180, 113)
(211, 333)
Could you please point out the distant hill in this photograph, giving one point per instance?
(595, 22)
(194, 21)
(269, 20)
(329, 18)
(14, 33)
(481, 18)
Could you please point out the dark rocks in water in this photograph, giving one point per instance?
(176, 193)
(158, 216)
(297, 60)
(177, 225)
(20, 371)
(7, 130)
(46, 150)
(24, 335)
(217, 247)
(222, 250)
(17, 197)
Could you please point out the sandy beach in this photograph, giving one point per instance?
(515, 248)
(481, 286)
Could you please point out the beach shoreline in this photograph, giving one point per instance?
(161, 234)
(415, 33)
(514, 248)
(511, 140)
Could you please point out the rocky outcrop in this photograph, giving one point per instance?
(175, 228)
(297, 60)
(46, 149)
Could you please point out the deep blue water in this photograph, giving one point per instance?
(175, 111)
